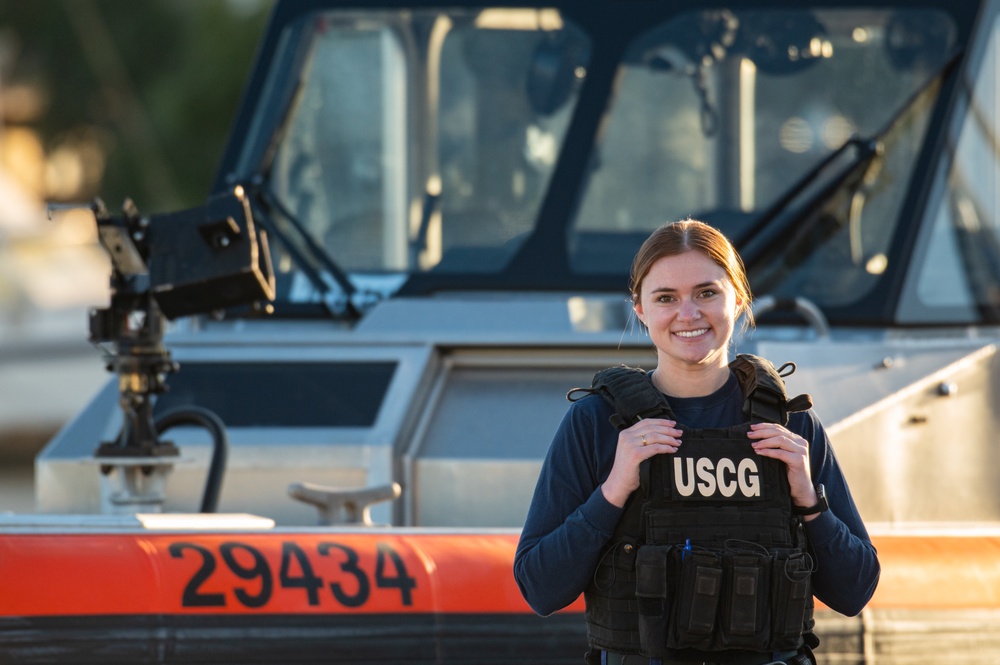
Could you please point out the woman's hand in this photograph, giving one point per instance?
(639, 442)
(773, 440)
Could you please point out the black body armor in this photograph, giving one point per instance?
(708, 555)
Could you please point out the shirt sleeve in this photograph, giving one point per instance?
(846, 566)
(569, 521)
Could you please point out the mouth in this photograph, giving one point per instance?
(690, 334)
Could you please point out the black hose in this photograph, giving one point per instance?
(193, 415)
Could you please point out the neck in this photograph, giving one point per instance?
(688, 381)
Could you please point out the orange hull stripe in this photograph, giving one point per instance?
(939, 571)
(300, 573)
(257, 573)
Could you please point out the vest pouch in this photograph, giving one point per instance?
(611, 601)
(652, 591)
(791, 594)
(745, 617)
(699, 586)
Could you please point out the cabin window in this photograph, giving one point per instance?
(719, 112)
(956, 277)
(424, 140)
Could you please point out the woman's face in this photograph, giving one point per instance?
(689, 305)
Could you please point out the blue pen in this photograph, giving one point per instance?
(687, 548)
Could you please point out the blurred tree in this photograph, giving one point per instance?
(131, 99)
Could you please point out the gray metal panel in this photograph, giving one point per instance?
(905, 636)
(500, 413)
(508, 319)
(929, 452)
(846, 376)
(482, 452)
(476, 459)
(914, 421)
(486, 493)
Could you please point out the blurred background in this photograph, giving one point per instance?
(97, 98)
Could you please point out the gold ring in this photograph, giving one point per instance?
(644, 439)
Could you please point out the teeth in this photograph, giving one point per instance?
(692, 333)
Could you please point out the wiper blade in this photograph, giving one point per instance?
(339, 305)
(867, 149)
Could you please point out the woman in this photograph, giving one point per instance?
(689, 288)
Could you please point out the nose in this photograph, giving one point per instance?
(688, 310)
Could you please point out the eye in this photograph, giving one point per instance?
(708, 293)
(664, 298)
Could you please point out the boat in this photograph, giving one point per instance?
(333, 384)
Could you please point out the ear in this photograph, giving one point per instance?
(637, 308)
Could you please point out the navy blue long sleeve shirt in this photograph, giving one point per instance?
(570, 522)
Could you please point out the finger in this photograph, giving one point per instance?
(776, 453)
(670, 437)
(769, 442)
(773, 447)
(780, 436)
(653, 449)
(765, 430)
(661, 432)
(793, 463)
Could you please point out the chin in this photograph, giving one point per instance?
(704, 357)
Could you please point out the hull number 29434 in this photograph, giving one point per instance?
(333, 571)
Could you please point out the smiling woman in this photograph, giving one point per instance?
(688, 289)
(689, 307)
(616, 515)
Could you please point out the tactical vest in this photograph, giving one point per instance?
(708, 555)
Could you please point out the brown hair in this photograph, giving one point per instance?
(689, 234)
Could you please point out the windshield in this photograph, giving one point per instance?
(429, 144)
(425, 140)
(719, 112)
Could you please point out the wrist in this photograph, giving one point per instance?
(817, 504)
(614, 497)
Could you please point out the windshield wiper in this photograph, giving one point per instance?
(339, 303)
(867, 149)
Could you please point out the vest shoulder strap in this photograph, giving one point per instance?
(763, 386)
(629, 392)
(633, 396)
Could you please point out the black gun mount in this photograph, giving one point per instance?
(163, 267)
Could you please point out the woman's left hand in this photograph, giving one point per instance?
(773, 440)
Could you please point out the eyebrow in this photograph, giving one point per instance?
(669, 289)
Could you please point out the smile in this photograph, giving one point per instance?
(692, 333)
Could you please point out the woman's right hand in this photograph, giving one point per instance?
(639, 442)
